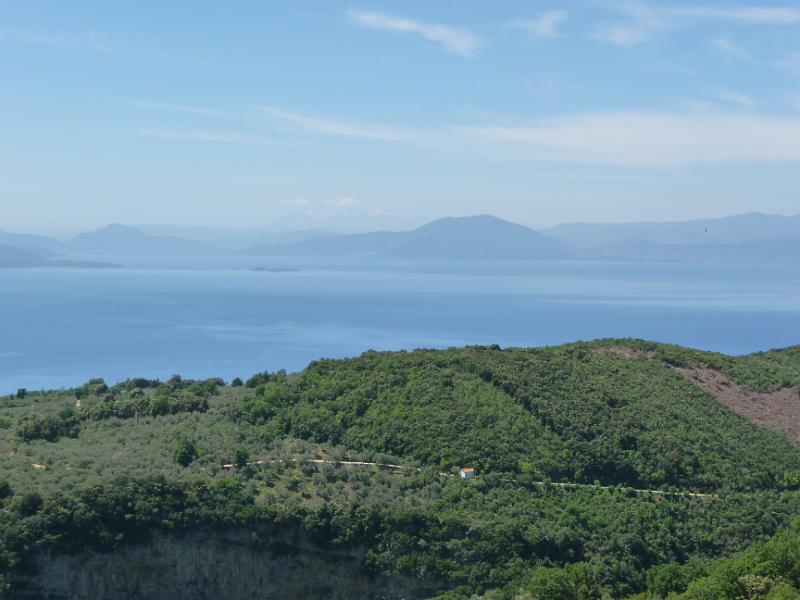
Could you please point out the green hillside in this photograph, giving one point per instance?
(769, 570)
(566, 413)
(602, 471)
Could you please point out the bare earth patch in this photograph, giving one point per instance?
(625, 352)
(778, 409)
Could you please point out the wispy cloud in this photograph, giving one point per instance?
(754, 15)
(261, 115)
(733, 97)
(545, 25)
(336, 208)
(647, 139)
(644, 20)
(76, 41)
(341, 128)
(454, 40)
(727, 47)
(624, 35)
(642, 24)
(791, 63)
(178, 108)
(203, 136)
(631, 139)
(341, 202)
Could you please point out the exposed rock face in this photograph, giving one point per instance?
(217, 566)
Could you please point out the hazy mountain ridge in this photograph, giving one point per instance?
(125, 239)
(38, 244)
(13, 258)
(233, 238)
(643, 250)
(117, 238)
(763, 237)
(749, 227)
(481, 237)
(749, 237)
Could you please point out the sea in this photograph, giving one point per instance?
(62, 326)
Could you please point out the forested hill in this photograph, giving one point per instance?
(575, 413)
(604, 469)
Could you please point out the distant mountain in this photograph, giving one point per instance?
(750, 227)
(480, 237)
(38, 244)
(17, 258)
(121, 239)
(280, 238)
(750, 238)
(202, 233)
(233, 238)
(772, 251)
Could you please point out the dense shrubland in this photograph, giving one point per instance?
(124, 401)
(100, 466)
(562, 413)
(769, 570)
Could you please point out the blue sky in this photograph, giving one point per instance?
(353, 115)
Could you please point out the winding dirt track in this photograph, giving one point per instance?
(778, 409)
(359, 463)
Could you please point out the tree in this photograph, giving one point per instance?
(159, 405)
(240, 458)
(237, 382)
(30, 503)
(576, 581)
(185, 452)
(21, 393)
(66, 412)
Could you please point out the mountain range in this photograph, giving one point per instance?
(781, 251)
(466, 238)
(752, 237)
(121, 239)
(13, 257)
(233, 238)
(749, 227)
(37, 244)
(741, 238)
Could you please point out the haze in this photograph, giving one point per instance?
(351, 116)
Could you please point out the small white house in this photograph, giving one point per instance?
(467, 473)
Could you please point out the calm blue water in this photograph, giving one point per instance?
(59, 327)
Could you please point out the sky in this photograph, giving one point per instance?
(358, 115)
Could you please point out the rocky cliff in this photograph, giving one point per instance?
(213, 566)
